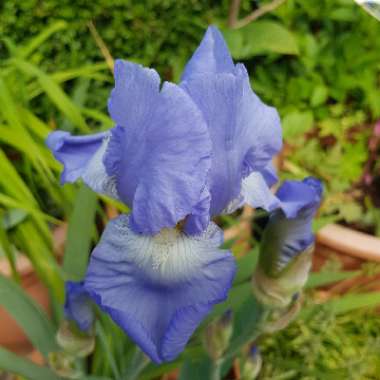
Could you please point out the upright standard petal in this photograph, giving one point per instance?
(160, 150)
(158, 289)
(211, 57)
(245, 132)
(82, 157)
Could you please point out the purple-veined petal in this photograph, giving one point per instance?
(211, 57)
(135, 94)
(289, 230)
(160, 150)
(158, 288)
(269, 174)
(82, 157)
(245, 132)
(199, 218)
(256, 191)
(300, 195)
(78, 305)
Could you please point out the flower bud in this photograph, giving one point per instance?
(280, 319)
(73, 341)
(217, 335)
(64, 365)
(287, 245)
(252, 365)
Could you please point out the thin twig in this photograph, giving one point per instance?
(258, 13)
(233, 13)
(101, 45)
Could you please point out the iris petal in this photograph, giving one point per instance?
(159, 152)
(300, 195)
(212, 56)
(245, 132)
(82, 157)
(256, 192)
(159, 288)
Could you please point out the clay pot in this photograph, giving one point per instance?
(351, 247)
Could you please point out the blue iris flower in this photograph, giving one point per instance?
(177, 156)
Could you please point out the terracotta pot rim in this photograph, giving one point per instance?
(351, 242)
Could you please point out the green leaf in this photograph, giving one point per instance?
(78, 97)
(79, 234)
(296, 123)
(38, 40)
(14, 133)
(319, 95)
(195, 368)
(55, 93)
(14, 364)
(12, 217)
(351, 302)
(28, 315)
(246, 266)
(260, 37)
(247, 321)
(326, 278)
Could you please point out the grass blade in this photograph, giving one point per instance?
(28, 315)
(351, 302)
(55, 93)
(38, 40)
(79, 234)
(14, 364)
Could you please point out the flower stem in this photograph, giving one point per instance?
(216, 370)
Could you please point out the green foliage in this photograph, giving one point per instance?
(79, 234)
(328, 98)
(28, 315)
(16, 364)
(259, 38)
(328, 346)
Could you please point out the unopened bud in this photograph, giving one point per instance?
(280, 319)
(73, 341)
(278, 292)
(64, 365)
(287, 245)
(252, 364)
(217, 335)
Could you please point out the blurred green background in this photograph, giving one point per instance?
(317, 62)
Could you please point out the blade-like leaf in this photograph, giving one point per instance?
(245, 266)
(14, 364)
(195, 368)
(326, 278)
(28, 315)
(351, 302)
(55, 93)
(80, 233)
(36, 41)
